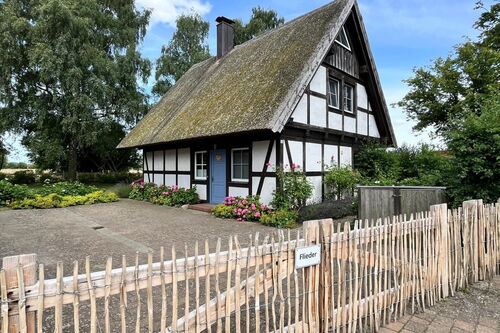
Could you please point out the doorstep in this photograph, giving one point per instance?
(203, 207)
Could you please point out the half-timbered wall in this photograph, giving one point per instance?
(313, 108)
(314, 158)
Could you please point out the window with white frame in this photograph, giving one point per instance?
(348, 98)
(333, 93)
(200, 165)
(342, 39)
(240, 164)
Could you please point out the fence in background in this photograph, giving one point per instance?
(381, 201)
(370, 273)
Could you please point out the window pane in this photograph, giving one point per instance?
(204, 173)
(199, 173)
(244, 156)
(236, 156)
(199, 158)
(236, 171)
(244, 172)
(333, 93)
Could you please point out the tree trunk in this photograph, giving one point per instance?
(72, 162)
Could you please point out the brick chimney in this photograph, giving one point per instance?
(225, 36)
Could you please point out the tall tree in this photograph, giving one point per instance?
(187, 47)
(443, 94)
(260, 21)
(67, 66)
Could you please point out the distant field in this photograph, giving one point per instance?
(12, 171)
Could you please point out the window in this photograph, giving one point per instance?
(240, 164)
(333, 93)
(348, 98)
(200, 165)
(342, 39)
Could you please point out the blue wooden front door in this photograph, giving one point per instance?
(217, 176)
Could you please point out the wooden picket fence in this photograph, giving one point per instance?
(371, 273)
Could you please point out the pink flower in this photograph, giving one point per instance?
(257, 214)
(293, 166)
(253, 207)
(239, 219)
(268, 164)
(262, 207)
(166, 193)
(244, 202)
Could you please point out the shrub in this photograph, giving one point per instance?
(163, 195)
(54, 200)
(3, 176)
(122, 190)
(106, 177)
(294, 189)
(241, 209)
(341, 181)
(23, 177)
(334, 209)
(9, 191)
(66, 188)
(280, 218)
(46, 178)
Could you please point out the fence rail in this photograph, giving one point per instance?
(371, 272)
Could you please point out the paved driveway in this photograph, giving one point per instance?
(114, 229)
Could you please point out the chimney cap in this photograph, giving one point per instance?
(223, 19)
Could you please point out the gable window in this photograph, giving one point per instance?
(342, 39)
(348, 98)
(333, 93)
(200, 165)
(240, 165)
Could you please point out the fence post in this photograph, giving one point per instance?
(312, 275)
(440, 215)
(10, 265)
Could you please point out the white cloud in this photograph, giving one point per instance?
(167, 11)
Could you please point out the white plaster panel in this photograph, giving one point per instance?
(350, 124)
(148, 161)
(148, 177)
(317, 111)
(373, 127)
(317, 184)
(318, 83)
(268, 187)
(202, 191)
(369, 106)
(255, 185)
(170, 160)
(184, 181)
(335, 121)
(158, 179)
(345, 156)
(331, 155)
(158, 159)
(362, 97)
(296, 152)
(170, 180)
(238, 192)
(184, 159)
(300, 113)
(259, 152)
(313, 156)
(362, 123)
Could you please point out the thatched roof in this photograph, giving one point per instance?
(254, 87)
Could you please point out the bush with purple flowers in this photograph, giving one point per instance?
(163, 195)
(241, 209)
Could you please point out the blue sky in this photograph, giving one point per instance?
(403, 35)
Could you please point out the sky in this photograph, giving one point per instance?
(402, 35)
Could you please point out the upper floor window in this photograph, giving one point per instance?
(333, 93)
(240, 164)
(342, 39)
(348, 98)
(200, 165)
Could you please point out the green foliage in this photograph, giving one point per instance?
(66, 188)
(476, 151)
(341, 181)
(294, 189)
(187, 47)
(23, 177)
(16, 165)
(2, 176)
(417, 166)
(106, 177)
(260, 21)
(54, 200)
(242, 209)
(9, 191)
(443, 94)
(280, 218)
(329, 209)
(122, 190)
(163, 195)
(69, 70)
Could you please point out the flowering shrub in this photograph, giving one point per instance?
(66, 188)
(241, 209)
(9, 191)
(54, 200)
(163, 195)
(294, 191)
(280, 218)
(341, 181)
